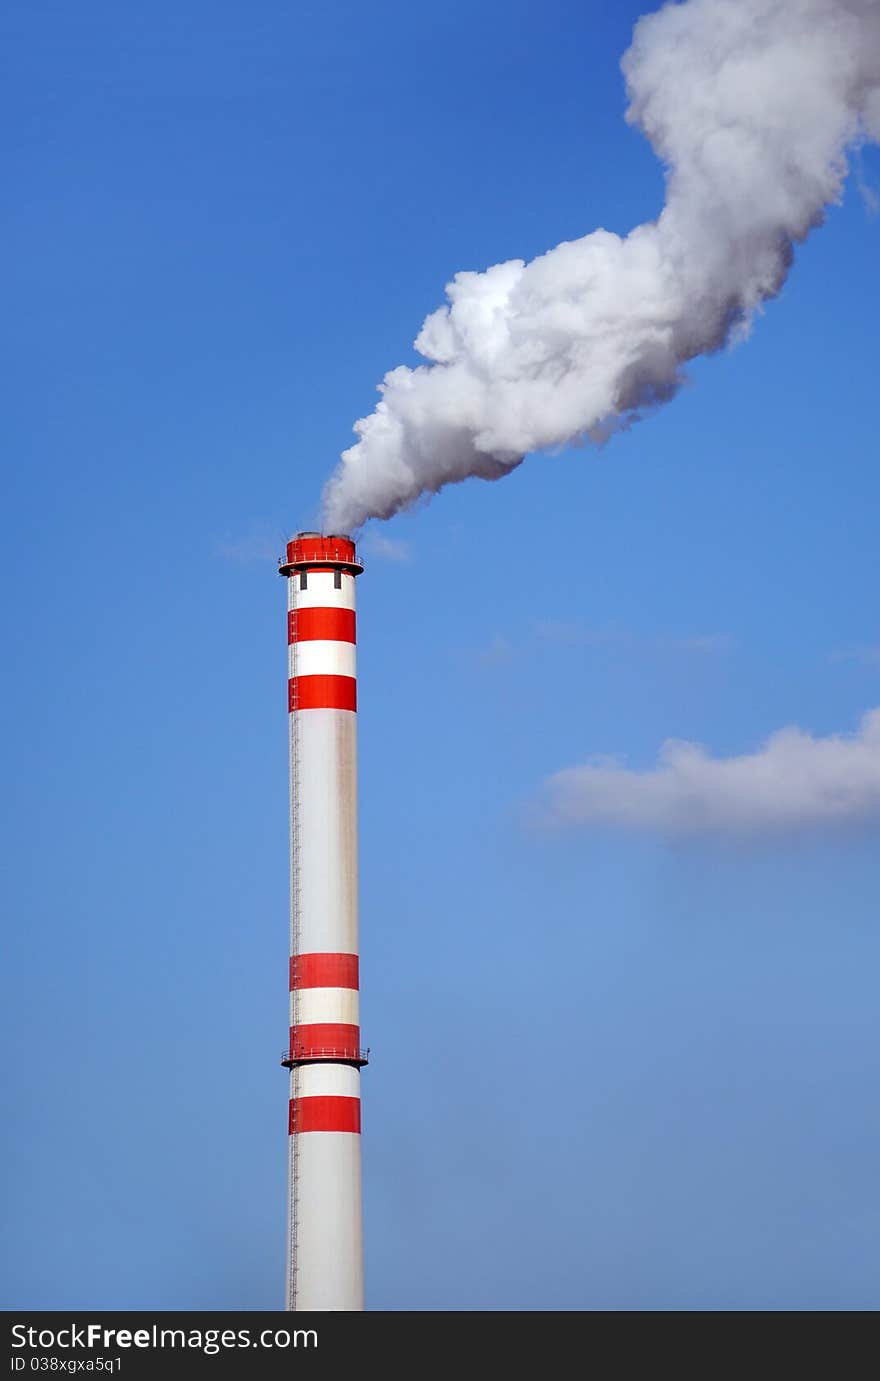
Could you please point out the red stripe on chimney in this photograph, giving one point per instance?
(324, 1113)
(305, 625)
(323, 971)
(325, 1040)
(322, 693)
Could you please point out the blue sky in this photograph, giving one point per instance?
(611, 1070)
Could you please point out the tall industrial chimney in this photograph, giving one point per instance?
(325, 1233)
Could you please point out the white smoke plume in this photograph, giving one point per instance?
(795, 781)
(752, 106)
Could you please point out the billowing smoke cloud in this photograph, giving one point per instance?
(795, 781)
(751, 105)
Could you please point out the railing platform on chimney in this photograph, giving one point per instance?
(339, 1055)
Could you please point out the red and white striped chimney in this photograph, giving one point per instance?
(325, 1234)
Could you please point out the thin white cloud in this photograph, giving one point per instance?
(870, 198)
(794, 781)
(867, 191)
(570, 633)
(868, 654)
(262, 542)
(498, 651)
(259, 544)
(705, 642)
(384, 548)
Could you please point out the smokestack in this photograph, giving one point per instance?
(325, 1235)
